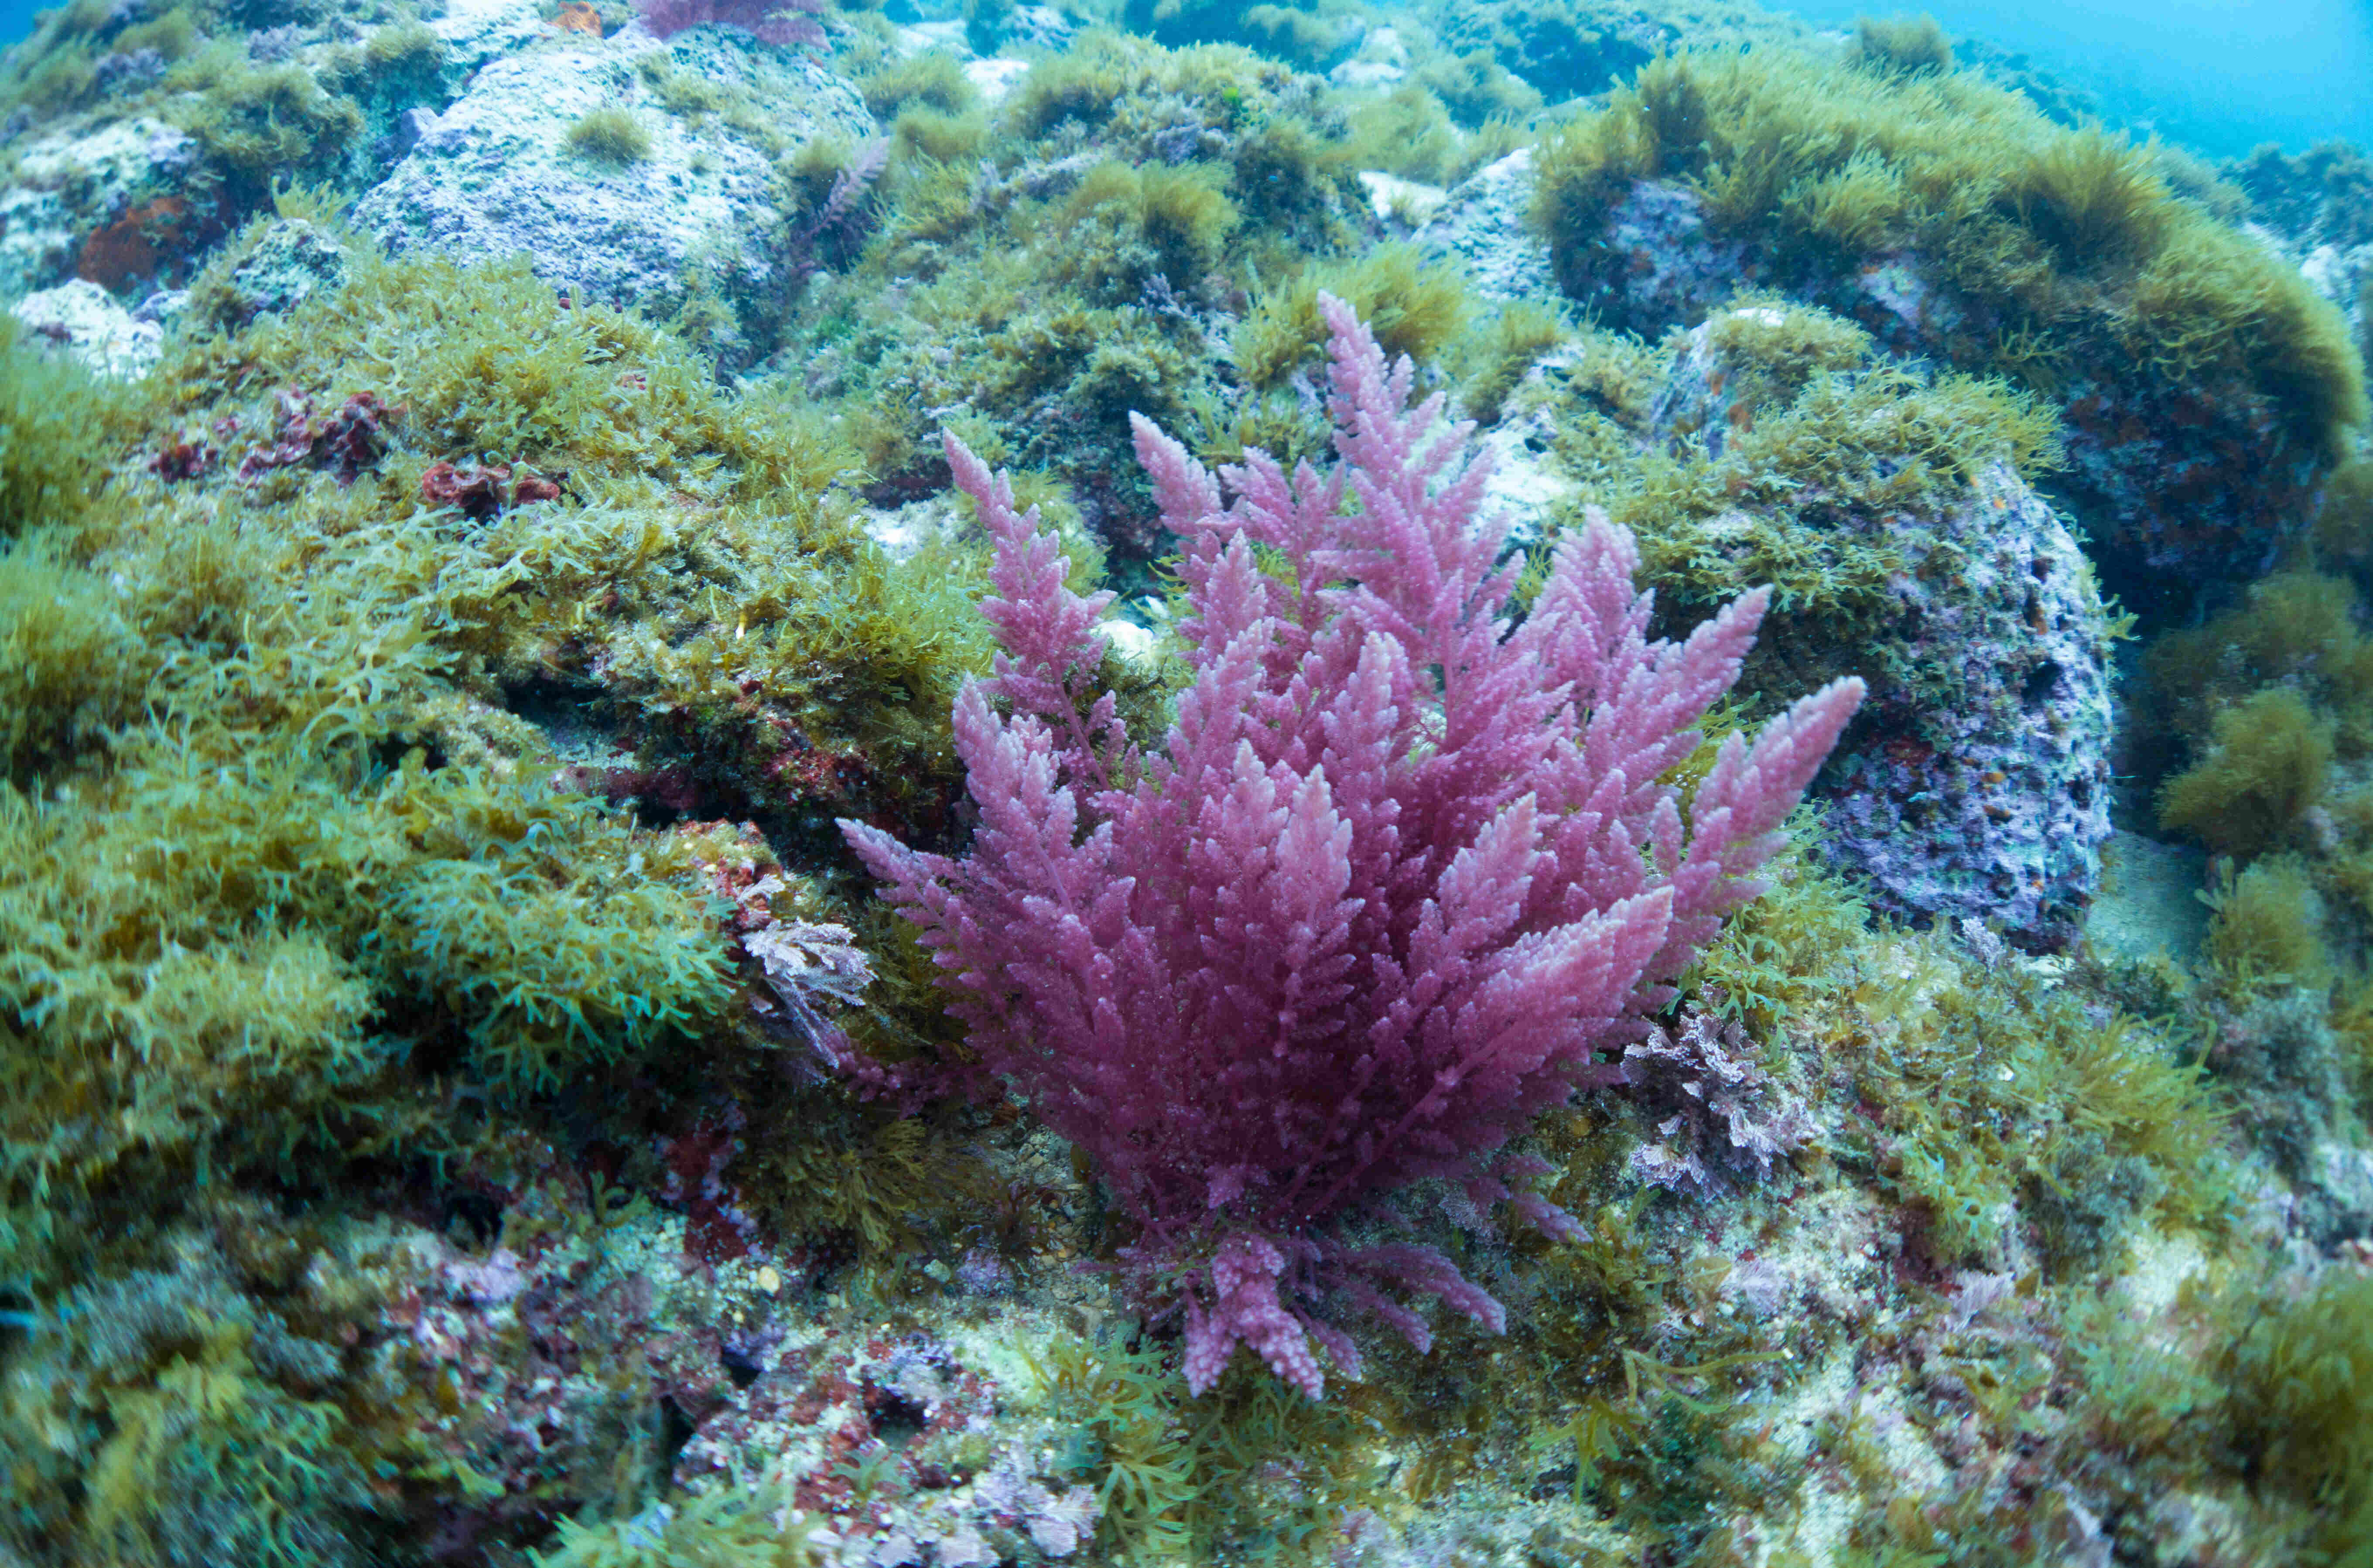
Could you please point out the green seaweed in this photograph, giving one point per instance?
(203, 1402)
(400, 60)
(1250, 1471)
(56, 419)
(1124, 226)
(1822, 439)
(1902, 45)
(2301, 1375)
(935, 80)
(610, 134)
(261, 126)
(724, 1527)
(2069, 235)
(1477, 90)
(1041, 270)
(2267, 761)
(1413, 307)
(2263, 926)
(1292, 34)
(283, 863)
(1774, 958)
(1495, 360)
(2297, 630)
(2006, 1101)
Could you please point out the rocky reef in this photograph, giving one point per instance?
(475, 517)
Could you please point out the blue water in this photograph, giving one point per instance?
(2219, 76)
(17, 20)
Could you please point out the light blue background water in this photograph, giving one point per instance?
(2221, 77)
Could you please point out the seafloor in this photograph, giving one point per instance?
(475, 519)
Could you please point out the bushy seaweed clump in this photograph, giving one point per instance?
(2262, 720)
(2296, 631)
(2014, 1116)
(1249, 1471)
(2259, 726)
(56, 69)
(2258, 1385)
(610, 136)
(1568, 49)
(1413, 309)
(2301, 1375)
(191, 1411)
(1048, 289)
(1906, 45)
(724, 1527)
(1410, 132)
(2069, 244)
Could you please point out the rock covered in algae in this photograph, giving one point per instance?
(83, 320)
(572, 157)
(1480, 226)
(1977, 781)
(2204, 385)
(70, 182)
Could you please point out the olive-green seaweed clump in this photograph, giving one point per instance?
(2264, 928)
(2322, 195)
(2069, 244)
(1412, 308)
(54, 71)
(2267, 760)
(262, 125)
(1905, 45)
(610, 134)
(2260, 726)
(2260, 1387)
(2302, 1381)
(1246, 1472)
(701, 576)
(2297, 631)
(724, 1527)
(2262, 719)
(1040, 274)
(55, 420)
(1570, 48)
(258, 125)
(207, 1406)
(1411, 133)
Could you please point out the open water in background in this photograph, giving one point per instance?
(2216, 76)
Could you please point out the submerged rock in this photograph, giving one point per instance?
(288, 262)
(84, 320)
(1976, 782)
(476, 32)
(1481, 224)
(1979, 787)
(2179, 479)
(669, 212)
(70, 185)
